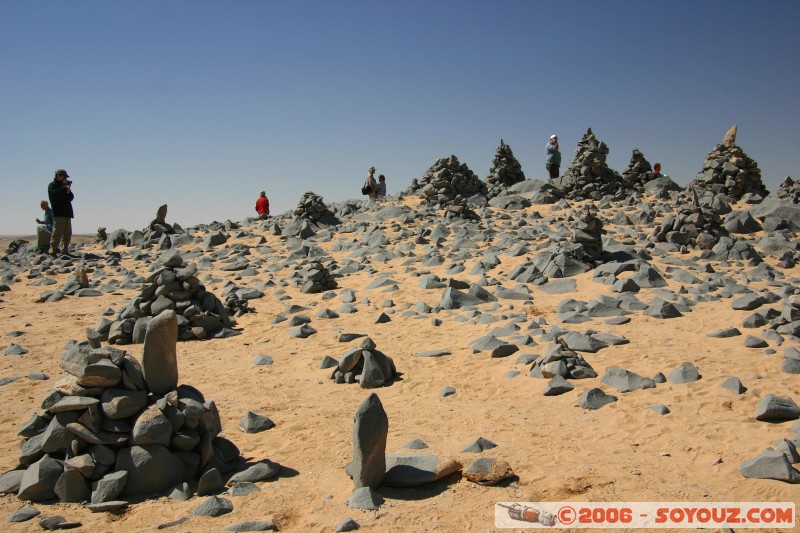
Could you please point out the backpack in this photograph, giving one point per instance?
(366, 189)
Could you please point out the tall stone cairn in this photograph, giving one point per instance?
(730, 171)
(506, 170)
(446, 182)
(789, 190)
(639, 170)
(588, 175)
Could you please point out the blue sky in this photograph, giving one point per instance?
(200, 105)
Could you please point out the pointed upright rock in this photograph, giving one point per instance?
(159, 357)
(369, 443)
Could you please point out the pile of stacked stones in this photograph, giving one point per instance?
(117, 428)
(506, 170)
(588, 233)
(789, 190)
(559, 360)
(315, 278)
(447, 182)
(172, 285)
(639, 170)
(730, 171)
(697, 223)
(311, 207)
(158, 231)
(588, 175)
(366, 365)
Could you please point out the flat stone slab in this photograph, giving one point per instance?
(777, 409)
(411, 470)
(488, 471)
(433, 353)
(23, 515)
(770, 464)
(625, 380)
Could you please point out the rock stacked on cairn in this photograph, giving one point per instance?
(559, 360)
(365, 365)
(311, 207)
(315, 278)
(730, 171)
(173, 285)
(158, 231)
(447, 182)
(116, 428)
(506, 170)
(588, 175)
(697, 222)
(789, 190)
(588, 233)
(310, 214)
(639, 170)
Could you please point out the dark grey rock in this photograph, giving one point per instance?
(447, 391)
(770, 464)
(433, 353)
(151, 469)
(213, 506)
(254, 525)
(72, 487)
(479, 445)
(210, 483)
(415, 444)
(685, 373)
(15, 349)
(255, 423)
(370, 430)
(725, 333)
(109, 487)
(626, 381)
(348, 524)
(365, 498)
(39, 480)
(595, 399)
(243, 488)
(734, 385)
(659, 409)
(411, 470)
(557, 386)
(260, 471)
(159, 355)
(23, 515)
(773, 408)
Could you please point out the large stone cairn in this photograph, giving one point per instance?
(588, 175)
(117, 428)
(159, 232)
(696, 223)
(365, 365)
(559, 360)
(447, 182)
(789, 190)
(729, 170)
(172, 285)
(639, 170)
(506, 170)
(311, 207)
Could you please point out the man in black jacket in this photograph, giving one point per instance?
(60, 193)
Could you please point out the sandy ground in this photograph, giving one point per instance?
(622, 452)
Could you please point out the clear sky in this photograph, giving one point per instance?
(200, 105)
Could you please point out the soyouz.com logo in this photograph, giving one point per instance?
(690, 515)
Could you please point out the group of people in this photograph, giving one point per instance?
(374, 189)
(54, 232)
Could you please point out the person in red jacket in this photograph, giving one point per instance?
(262, 206)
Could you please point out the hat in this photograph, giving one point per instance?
(371, 169)
(62, 172)
(263, 193)
(554, 136)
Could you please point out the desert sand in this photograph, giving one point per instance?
(558, 451)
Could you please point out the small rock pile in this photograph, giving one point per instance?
(311, 207)
(588, 232)
(559, 360)
(639, 170)
(315, 278)
(447, 182)
(789, 190)
(366, 365)
(729, 170)
(506, 170)
(117, 428)
(173, 285)
(697, 223)
(588, 175)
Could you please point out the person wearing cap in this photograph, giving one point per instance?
(553, 160)
(372, 184)
(61, 196)
(262, 206)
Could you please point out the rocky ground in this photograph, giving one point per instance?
(586, 350)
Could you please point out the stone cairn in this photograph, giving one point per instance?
(639, 170)
(447, 182)
(697, 223)
(588, 233)
(789, 190)
(366, 365)
(559, 360)
(506, 170)
(730, 171)
(117, 428)
(316, 278)
(172, 285)
(588, 175)
(158, 231)
(311, 207)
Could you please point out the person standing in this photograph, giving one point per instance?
(553, 160)
(262, 206)
(44, 232)
(381, 191)
(372, 184)
(61, 196)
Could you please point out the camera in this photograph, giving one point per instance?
(67, 183)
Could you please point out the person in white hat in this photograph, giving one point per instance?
(553, 160)
(371, 184)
